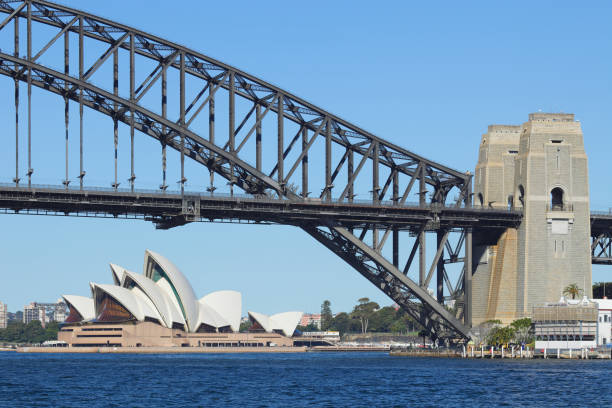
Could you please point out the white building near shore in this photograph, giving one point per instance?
(3, 316)
(573, 324)
(604, 322)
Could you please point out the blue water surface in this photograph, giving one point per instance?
(300, 379)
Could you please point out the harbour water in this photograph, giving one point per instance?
(301, 379)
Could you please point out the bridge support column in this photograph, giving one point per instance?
(422, 252)
(467, 280)
(440, 268)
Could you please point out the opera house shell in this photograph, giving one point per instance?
(160, 308)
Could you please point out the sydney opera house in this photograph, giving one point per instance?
(159, 308)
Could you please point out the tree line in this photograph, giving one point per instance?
(366, 316)
(31, 333)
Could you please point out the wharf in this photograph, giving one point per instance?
(349, 348)
(580, 354)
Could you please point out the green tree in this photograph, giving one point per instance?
(311, 327)
(13, 332)
(499, 336)
(572, 290)
(33, 332)
(602, 289)
(343, 323)
(520, 323)
(382, 320)
(245, 326)
(326, 315)
(398, 326)
(363, 311)
(522, 330)
(51, 331)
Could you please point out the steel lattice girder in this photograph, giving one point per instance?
(314, 123)
(601, 238)
(388, 278)
(218, 74)
(601, 248)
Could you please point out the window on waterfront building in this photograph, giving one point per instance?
(556, 199)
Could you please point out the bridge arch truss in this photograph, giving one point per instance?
(267, 144)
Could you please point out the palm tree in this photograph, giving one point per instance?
(572, 290)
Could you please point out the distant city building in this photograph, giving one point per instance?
(308, 319)
(58, 312)
(15, 317)
(33, 312)
(3, 316)
(45, 312)
(573, 324)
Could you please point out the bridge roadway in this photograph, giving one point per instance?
(171, 209)
(168, 209)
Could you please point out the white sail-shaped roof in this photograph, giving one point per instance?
(228, 303)
(210, 317)
(263, 320)
(117, 273)
(82, 304)
(163, 304)
(135, 302)
(285, 322)
(176, 286)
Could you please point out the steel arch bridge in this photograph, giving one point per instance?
(283, 159)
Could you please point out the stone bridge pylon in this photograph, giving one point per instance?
(541, 168)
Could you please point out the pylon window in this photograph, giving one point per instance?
(556, 199)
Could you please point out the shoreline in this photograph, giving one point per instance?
(157, 350)
(193, 350)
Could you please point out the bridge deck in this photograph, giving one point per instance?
(168, 209)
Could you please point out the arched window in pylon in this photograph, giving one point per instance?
(522, 194)
(480, 199)
(510, 202)
(556, 199)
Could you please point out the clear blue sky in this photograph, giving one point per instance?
(429, 76)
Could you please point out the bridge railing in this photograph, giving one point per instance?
(602, 213)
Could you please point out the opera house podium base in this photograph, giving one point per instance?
(148, 334)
